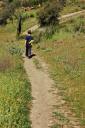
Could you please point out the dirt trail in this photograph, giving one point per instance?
(78, 13)
(43, 100)
(46, 98)
(66, 17)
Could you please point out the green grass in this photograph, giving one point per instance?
(15, 90)
(61, 117)
(66, 58)
(70, 9)
(73, 7)
(28, 23)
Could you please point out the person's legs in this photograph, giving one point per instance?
(26, 51)
(29, 52)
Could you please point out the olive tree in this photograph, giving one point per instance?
(49, 14)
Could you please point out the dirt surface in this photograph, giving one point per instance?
(43, 100)
(73, 14)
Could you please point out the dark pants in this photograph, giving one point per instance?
(28, 51)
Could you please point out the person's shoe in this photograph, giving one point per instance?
(26, 55)
(29, 57)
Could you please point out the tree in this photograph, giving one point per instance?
(62, 2)
(32, 2)
(7, 12)
(49, 14)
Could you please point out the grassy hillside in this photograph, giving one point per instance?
(64, 51)
(15, 97)
(65, 54)
(73, 6)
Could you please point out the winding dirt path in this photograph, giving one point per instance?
(43, 99)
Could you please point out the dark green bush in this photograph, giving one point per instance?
(32, 15)
(26, 3)
(6, 13)
(62, 2)
(49, 14)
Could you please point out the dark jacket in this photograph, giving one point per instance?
(28, 39)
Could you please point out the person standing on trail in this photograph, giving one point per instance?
(28, 43)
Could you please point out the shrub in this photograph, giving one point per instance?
(62, 2)
(25, 16)
(14, 49)
(17, 3)
(49, 14)
(32, 15)
(6, 13)
(26, 3)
